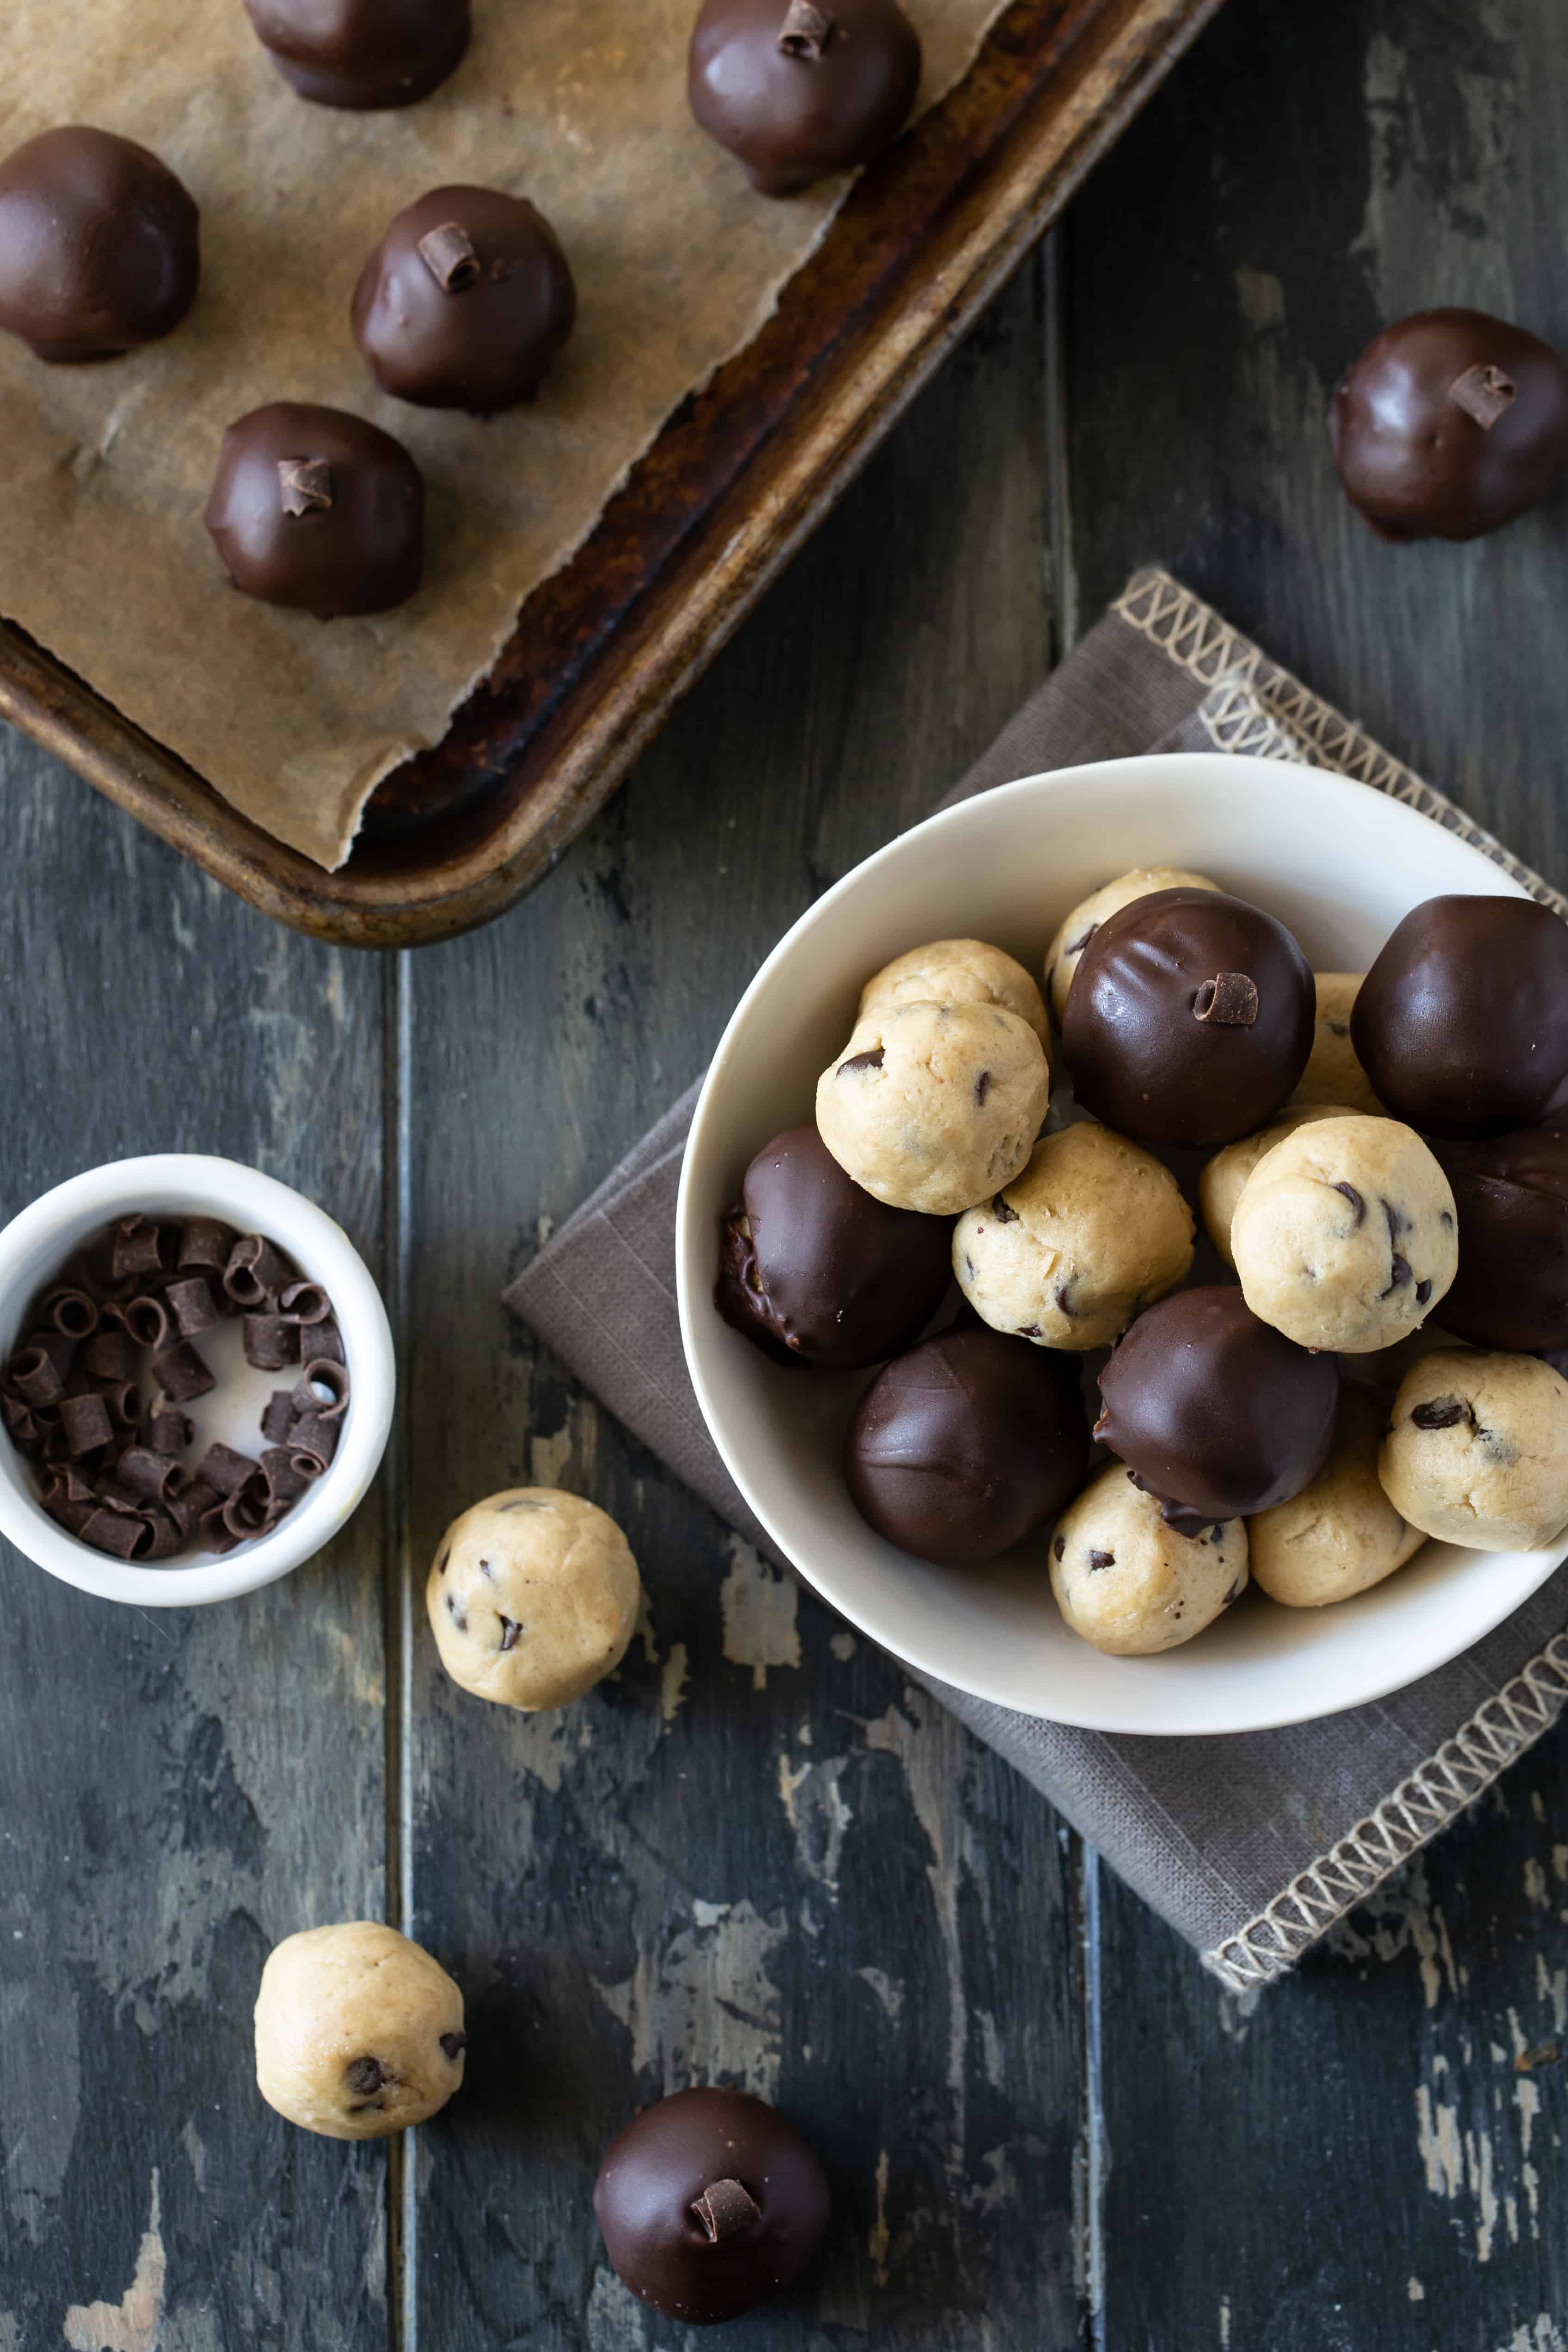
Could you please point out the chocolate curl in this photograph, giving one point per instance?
(244, 1512)
(806, 31)
(285, 1483)
(168, 1536)
(71, 1312)
(147, 1320)
(327, 1343)
(304, 1302)
(145, 1472)
(25, 1431)
(270, 1342)
(1484, 393)
(123, 1400)
(85, 1424)
(304, 485)
(110, 1356)
(112, 1531)
(278, 1419)
(205, 1243)
(64, 1508)
(725, 2210)
(188, 1504)
(224, 1470)
(61, 1350)
(214, 1534)
(255, 1272)
(1230, 999)
(181, 1374)
(134, 1248)
(170, 1433)
(447, 252)
(323, 1393)
(192, 1305)
(312, 1442)
(36, 1378)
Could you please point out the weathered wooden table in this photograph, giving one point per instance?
(760, 1856)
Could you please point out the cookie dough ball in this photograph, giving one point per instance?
(1129, 1583)
(1345, 1236)
(955, 971)
(532, 1598)
(1220, 1184)
(934, 1106)
(1332, 1074)
(1478, 1451)
(1079, 928)
(358, 2031)
(1340, 1535)
(1089, 1236)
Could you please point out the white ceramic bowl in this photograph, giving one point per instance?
(1341, 865)
(35, 1245)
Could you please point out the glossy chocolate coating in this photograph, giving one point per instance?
(1142, 1057)
(472, 316)
(1461, 1025)
(357, 545)
(1512, 1197)
(967, 1445)
(792, 116)
(363, 54)
(99, 246)
(1214, 1411)
(813, 1267)
(764, 2220)
(1411, 438)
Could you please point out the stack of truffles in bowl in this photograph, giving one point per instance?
(1372, 1163)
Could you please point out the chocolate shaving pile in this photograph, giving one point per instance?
(129, 1310)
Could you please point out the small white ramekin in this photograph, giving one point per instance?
(34, 1247)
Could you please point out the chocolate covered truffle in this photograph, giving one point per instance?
(967, 1445)
(1461, 1025)
(466, 301)
(363, 54)
(99, 246)
(317, 510)
(1189, 1020)
(1214, 1411)
(708, 2203)
(1510, 1195)
(1450, 425)
(797, 89)
(812, 1268)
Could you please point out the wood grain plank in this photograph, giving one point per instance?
(1349, 2158)
(755, 1855)
(181, 1788)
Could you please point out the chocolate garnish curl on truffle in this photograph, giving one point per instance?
(99, 246)
(365, 55)
(317, 510)
(1450, 425)
(800, 90)
(466, 301)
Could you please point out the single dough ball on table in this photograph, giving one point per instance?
(1332, 1074)
(1478, 1451)
(955, 971)
(1340, 1535)
(1222, 1178)
(1129, 1582)
(317, 510)
(934, 1106)
(1074, 933)
(99, 246)
(1344, 1235)
(1218, 1414)
(1189, 1019)
(532, 1598)
(358, 2031)
(364, 54)
(1067, 1253)
(796, 89)
(1462, 1022)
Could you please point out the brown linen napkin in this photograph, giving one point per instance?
(1250, 1845)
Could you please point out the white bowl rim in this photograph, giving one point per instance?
(1245, 772)
(242, 1196)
